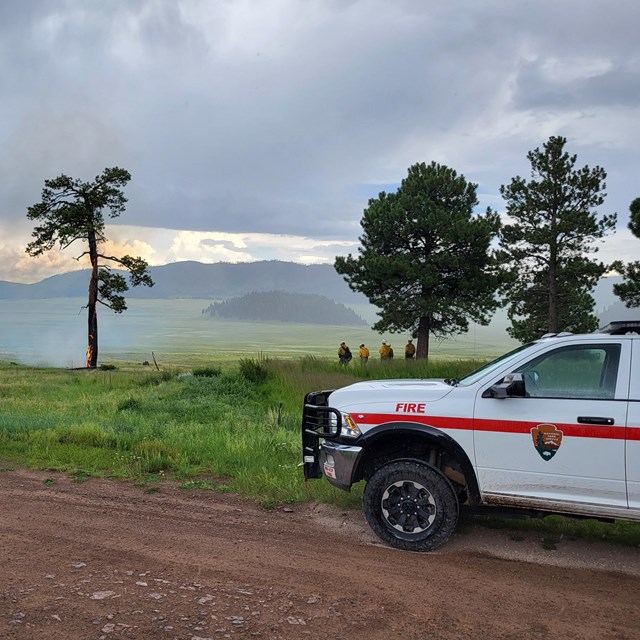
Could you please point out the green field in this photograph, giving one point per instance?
(53, 332)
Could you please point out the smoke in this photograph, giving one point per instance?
(53, 332)
(43, 332)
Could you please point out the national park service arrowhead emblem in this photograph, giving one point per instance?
(547, 439)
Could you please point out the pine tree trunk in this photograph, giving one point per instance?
(92, 325)
(554, 321)
(424, 329)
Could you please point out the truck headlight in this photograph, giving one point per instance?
(349, 427)
(333, 423)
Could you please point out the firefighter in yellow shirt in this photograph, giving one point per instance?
(409, 350)
(364, 354)
(384, 351)
(344, 354)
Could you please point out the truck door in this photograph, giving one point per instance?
(564, 441)
(632, 453)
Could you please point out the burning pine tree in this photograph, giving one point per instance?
(72, 211)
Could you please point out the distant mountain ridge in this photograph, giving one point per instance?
(223, 280)
(220, 280)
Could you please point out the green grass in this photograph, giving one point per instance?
(196, 484)
(133, 424)
(234, 428)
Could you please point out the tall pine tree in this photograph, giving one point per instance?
(72, 210)
(424, 258)
(629, 289)
(546, 248)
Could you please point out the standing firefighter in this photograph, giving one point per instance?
(409, 350)
(384, 351)
(344, 354)
(363, 352)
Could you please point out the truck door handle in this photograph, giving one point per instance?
(595, 420)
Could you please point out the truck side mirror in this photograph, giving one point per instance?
(512, 386)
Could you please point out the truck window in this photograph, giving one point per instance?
(575, 371)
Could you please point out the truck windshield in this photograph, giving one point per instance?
(474, 376)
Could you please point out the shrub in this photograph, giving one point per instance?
(255, 371)
(207, 372)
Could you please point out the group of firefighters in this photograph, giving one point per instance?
(386, 352)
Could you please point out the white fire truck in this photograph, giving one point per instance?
(553, 426)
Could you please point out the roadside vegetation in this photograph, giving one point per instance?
(232, 428)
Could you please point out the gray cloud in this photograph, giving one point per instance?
(612, 88)
(268, 117)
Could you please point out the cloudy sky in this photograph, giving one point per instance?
(258, 129)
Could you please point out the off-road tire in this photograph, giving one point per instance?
(411, 505)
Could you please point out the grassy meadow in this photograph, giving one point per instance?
(53, 332)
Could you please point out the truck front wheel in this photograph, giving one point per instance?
(411, 506)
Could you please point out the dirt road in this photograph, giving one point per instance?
(102, 559)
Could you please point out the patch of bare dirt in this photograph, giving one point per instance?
(104, 560)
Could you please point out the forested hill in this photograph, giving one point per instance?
(280, 306)
(197, 280)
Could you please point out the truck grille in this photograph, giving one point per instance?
(318, 421)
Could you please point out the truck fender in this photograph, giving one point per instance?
(428, 433)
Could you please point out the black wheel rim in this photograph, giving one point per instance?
(408, 507)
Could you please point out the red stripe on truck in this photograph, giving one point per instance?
(499, 426)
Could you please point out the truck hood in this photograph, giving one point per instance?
(386, 391)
